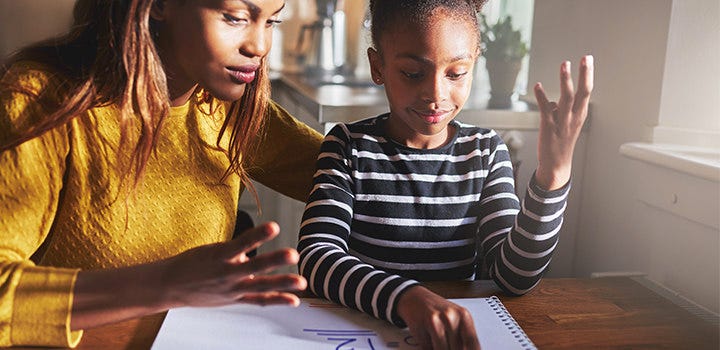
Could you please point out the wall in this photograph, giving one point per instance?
(24, 21)
(618, 230)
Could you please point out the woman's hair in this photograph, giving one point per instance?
(388, 13)
(109, 57)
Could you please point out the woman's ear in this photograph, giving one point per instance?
(157, 11)
(375, 65)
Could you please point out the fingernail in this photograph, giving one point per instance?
(589, 60)
(566, 66)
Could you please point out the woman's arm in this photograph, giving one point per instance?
(286, 162)
(209, 275)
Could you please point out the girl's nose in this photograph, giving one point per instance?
(435, 89)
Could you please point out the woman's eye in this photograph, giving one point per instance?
(234, 20)
(456, 76)
(273, 22)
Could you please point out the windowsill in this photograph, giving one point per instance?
(697, 161)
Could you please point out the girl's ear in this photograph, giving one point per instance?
(157, 11)
(375, 65)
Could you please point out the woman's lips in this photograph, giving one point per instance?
(243, 74)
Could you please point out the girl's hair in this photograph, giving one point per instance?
(388, 13)
(109, 57)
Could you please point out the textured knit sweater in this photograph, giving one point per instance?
(382, 216)
(63, 207)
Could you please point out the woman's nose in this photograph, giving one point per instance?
(257, 42)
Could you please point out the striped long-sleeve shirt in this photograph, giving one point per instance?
(382, 216)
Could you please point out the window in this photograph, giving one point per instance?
(521, 12)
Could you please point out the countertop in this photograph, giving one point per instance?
(334, 103)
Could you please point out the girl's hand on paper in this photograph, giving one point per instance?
(435, 322)
(221, 273)
(561, 123)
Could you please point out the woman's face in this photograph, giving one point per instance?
(217, 44)
(427, 72)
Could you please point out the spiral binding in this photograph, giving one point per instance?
(497, 306)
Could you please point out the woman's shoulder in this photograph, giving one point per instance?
(31, 77)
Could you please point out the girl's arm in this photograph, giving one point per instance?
(331, 271)
(561, 123)
(519, 249)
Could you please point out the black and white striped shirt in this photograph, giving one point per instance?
(382, 216)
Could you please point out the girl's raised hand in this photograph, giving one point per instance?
(561, 123)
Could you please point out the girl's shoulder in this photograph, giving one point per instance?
(468, 133)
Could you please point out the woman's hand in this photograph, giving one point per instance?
(210, 275)
(221, 273)
(435, 322)
(561, 123)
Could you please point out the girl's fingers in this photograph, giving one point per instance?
(566, 87)
(585, 84)
(542, 99)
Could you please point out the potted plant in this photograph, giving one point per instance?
(503, 49)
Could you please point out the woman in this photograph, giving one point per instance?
(124, 146)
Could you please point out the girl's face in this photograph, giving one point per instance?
(427, 73)
(217, 44)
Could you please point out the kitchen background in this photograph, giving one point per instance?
(646, 181)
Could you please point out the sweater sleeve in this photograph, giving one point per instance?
(35, 302)
(330, 270)
(286, 158)
(517, 239)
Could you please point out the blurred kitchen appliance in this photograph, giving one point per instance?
(321, 46)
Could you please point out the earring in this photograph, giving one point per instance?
(378, 80)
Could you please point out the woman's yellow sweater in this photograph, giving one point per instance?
(63, 205)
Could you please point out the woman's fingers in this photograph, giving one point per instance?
(274, 283)
(249, 240)
(270, 298)
(267, 262)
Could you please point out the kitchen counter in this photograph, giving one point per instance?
(320, 104)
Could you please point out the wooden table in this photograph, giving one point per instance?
(603, 313)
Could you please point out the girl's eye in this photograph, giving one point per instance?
(412, 75)
(234, 20)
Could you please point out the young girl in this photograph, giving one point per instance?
(124, 146)
(413, 195)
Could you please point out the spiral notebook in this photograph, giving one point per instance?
(319, 324)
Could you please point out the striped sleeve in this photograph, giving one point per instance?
(518, 239)
(330, 270)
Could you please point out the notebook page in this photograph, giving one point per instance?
(319, 324)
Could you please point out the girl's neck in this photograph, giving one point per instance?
(399, 134)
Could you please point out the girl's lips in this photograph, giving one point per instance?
(243, 75)
(433, 117)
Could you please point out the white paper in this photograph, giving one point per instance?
(317, 324)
